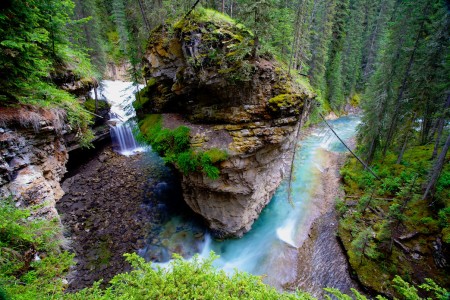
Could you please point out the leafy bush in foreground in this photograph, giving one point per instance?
(21, 239)
(196, 279)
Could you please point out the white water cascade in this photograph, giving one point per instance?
(120, 95)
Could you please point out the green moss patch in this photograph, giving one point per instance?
(174, 146)
(385, 225)
(283, 102)
(90, 105)
(142, 97)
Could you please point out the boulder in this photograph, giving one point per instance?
(201, 73)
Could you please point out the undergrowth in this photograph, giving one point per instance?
(22, 240)
(385, 224)
(174, 147)
(22, 276)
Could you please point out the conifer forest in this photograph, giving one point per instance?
(224, 149)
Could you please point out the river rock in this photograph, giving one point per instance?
(231, 100)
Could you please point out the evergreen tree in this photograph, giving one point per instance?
(321, 34)
(90, 36)
(334, 67)
(352, 47)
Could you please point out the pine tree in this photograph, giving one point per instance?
(90, 36)
(333, 74)
(120, 20)
(352, 47)
(321, 34)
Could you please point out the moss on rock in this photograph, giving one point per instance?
(90, 105)
(174, 145)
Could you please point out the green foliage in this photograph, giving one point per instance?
(225, 44)
(34, 42)
(444, 217)
(392, 208)
(440, 293)
(90, 105)
(20, 236)
(282, 102)
(405, 289)
(216, 155)
(443, 186)
(22, 278)
(195, 279)
(341, 296)
(429, 225)
(341, 208)
(355, 100)
(174, 146)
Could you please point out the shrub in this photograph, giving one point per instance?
(428, 225)
(174, 147)
(20, 274)
(90, 105)
(195, 279)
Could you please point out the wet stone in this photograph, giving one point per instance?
(111, 218)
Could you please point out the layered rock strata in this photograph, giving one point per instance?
(32, 158)
(202, 71)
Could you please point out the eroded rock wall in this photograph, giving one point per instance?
(32, 161)
(203, 71)
(246, 184)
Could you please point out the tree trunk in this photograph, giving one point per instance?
(223, 6)
(402, 151)
(295, 41)
(405, 142)
(440, 127)
(147, 25)
(373, 147)
(231, 8)
(192, 8)
(368, 68)
(437, 168)
(363, 251)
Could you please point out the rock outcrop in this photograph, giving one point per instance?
(203, 72)
(32, 158)
(34, 146)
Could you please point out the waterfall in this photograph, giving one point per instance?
(120, 95)
(123, 139)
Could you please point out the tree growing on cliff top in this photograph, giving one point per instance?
(34, 44)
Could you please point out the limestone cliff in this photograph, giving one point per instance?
(32, 157)
(201, 73)
(34, 147)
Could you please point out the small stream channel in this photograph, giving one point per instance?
(271, 247)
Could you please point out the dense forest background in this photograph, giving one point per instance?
(389, 57)
(393, 54)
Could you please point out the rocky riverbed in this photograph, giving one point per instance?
(321, 260)
(109, 209)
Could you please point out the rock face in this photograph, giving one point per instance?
(203, 72)
(32, 158)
